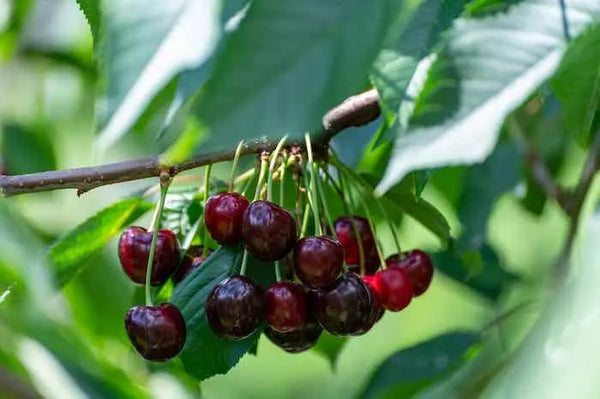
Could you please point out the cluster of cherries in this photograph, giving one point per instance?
(341, 303)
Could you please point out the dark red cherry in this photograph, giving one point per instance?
(285, 305)
(345, 308)
(395, 291)
(234, 307)
(268, 231)
(157, 332)
(134, 249)
(371, 266)
(344, 231)
(223, 217)
(192, 260)
(419, 267)
(298, 340)
(318, 261)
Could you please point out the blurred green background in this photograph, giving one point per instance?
(71, 343)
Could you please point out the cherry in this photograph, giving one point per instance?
(344, 231)
(134, 249)
(371, 266)
(268, 231)
(192, 260)
(234, 307)
(419, 267)
(285, 305)
(298, 340)
(157, 332)
(318, 260)
(395, 291)
(345, 308)
(223, 217)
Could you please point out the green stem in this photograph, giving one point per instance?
(321, 193)
(277, 272)
(274, 156)
(305, 220)
(236, 159)
(244, 263)
(372, 226)
(390, 224)
(346, 189)
(314, 202)
(282, 184)
(154, 227)
(261, 177)
(206, 195)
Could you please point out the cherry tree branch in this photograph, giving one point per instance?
(355, 111)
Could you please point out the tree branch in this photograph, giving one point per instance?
(355, 111)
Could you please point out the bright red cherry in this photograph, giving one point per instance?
(223, 217)
(419, 267)
(268, 231)
(234, 307)
(157, 332)
(192, 260)
(344, 230)
(345, 308)
(134, 249)
(285, 306)
(318, 261)
(395, 291)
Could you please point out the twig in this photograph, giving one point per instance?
(565, 21)
(575, 203)
(355, 111)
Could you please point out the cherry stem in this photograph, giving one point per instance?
(207, 171)
(282, 183)
(324, 201)
(314, 202)
(236, 159)
(337, 189)
(274, 157)
(244, 263)
(372, 226)
(277, 272)
(390, 224)
(154, 227)
(261, 176)
(305, 220)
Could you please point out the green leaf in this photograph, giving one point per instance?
(182, 209)
(27, 150)
(398, 60)
(205, 354)
(477, 80)
(479, 269)
(93, 15)
(577, 84)
(330, 347)
(68, 254)
(479, 194)
(409, 371)
(323, 52)
(145, 45)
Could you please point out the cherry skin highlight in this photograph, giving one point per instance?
(285, 306)
(223, 217)
(318, 261)
(158, 333)
(395, 289)
(234, 307)
(344, 230)
(134, 249)
(268, 231)
(345, 307)
(419, 267)
(192, 260)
